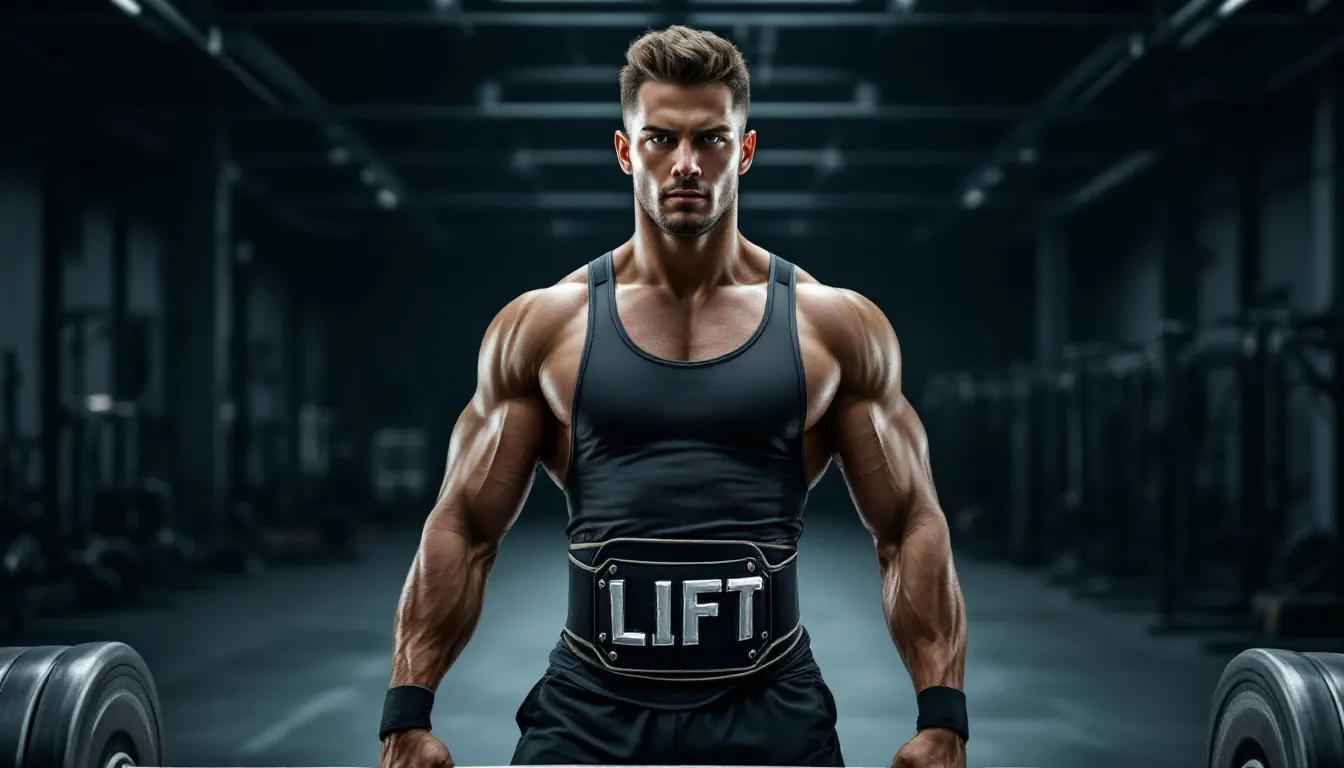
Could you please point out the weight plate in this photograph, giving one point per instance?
(99, 703)
(23, 673)
(1277, 708)
(1331, 666)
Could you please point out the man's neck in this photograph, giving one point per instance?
(688, 266)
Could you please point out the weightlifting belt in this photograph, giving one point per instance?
(682, 609)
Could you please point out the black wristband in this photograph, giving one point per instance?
(943, 707)
(406, 708)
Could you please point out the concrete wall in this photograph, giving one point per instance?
(314, 343)
(1287, 263)
(270, 402)
(88, 284)
(20, 239)
(1119, 283)
(267, 320)
(1218, 281)
(145, 297)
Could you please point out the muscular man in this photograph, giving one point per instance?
(686, 390)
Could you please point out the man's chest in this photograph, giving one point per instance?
(565, 361)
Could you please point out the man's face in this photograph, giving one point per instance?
(684, 146)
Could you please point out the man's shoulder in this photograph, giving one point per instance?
(562, 296)
(854, 330)
(538, 314)
(839, 314)
(525, 330)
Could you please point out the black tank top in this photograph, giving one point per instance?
(709, 449)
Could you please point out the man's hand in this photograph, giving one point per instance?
(414, 749)
(932, 748)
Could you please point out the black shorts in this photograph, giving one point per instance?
(786, 721)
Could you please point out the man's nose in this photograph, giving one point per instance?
(688, 163)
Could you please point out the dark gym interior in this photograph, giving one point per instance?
(248, 250)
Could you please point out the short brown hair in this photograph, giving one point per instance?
(684, 56)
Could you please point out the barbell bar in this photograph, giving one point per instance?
(95, 706)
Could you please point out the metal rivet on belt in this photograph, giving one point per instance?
(612, 569)
(611, 655)
(751, 654)
(764, 635)
(601, 637)
(751, 566)
(601, 583)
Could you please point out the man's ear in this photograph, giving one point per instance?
(748, 153)
(622, 143)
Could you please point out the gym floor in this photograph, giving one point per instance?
(288, 667)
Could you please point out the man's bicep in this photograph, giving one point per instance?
(880, 442)
(497, 440)
(492, 461)
(882, 450)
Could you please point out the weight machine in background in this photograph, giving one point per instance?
(1157, 477)
(23, 564)
(307, 512)
(397, 473)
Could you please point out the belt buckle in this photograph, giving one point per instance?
(682, 618)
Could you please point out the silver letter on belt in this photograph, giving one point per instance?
(662, 611)
(619, 635)
(745, 588)
(692, 610)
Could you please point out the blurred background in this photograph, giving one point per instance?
(248, 250)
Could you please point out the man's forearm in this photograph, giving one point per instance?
(440, 603)
(923, 604)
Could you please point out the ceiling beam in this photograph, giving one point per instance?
(299, 221)
(608, 75)
(209, 45)
(1080, 86)
(752, 16)
(756, 227)
(783, 157)
(611, 111)
(1128, 168)
(338, 138)
(801, 202)
(1060, 102)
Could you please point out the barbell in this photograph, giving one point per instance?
(95, 706)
